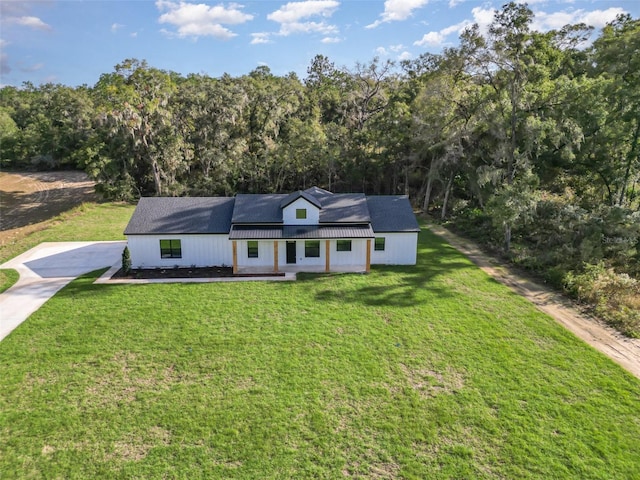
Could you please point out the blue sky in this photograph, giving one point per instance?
(74, 42)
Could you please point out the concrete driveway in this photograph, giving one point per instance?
(46, 269)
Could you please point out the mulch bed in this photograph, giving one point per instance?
(197, 272)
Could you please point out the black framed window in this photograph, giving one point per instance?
(170, 249)
(301, 213)
(252, 249)
(343, 245)
(312, 248)
(379, 244)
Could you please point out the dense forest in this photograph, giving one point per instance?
(527, 141)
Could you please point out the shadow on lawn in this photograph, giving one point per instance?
(405, 286)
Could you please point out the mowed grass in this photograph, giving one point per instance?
(8, 276)
(433, 371)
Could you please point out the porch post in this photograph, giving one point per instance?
(368, 254)
(327, 255)
(275, 256)
(235, 256)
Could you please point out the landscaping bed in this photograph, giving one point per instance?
(195, 272)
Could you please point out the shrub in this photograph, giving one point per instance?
(126, 260)
(615, 297)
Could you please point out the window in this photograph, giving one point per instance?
(252, 249)
(343, 245)
(170, 249)
(312, 248)
(301, 213)
(379, 244)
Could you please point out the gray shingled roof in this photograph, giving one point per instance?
(299, 232)
(335, 208)
(296, 195)
(258, 208)
(319, 193)
(348, 213)
(160, 215)
(344, 208)
(392, 213)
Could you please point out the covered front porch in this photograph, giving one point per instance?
(307, 255)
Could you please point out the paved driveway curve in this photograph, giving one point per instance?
(46, 269)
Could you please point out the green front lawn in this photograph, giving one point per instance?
(8, 276)
(434, 371)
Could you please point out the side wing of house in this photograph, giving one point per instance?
(183, 232)
(396, 230)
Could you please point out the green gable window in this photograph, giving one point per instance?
(252, 249)
(301, 213)
(343, 245)
(312, 248)
(170, 249)
(379, 244)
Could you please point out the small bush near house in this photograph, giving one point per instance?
(126, 260)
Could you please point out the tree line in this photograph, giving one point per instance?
(528, 140)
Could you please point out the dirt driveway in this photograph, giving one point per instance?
(30, 198)
(622, 350)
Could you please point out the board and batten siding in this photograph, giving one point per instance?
(198, 250)
(399, 249)
(289, 213)
(356, 257)
(265, 255)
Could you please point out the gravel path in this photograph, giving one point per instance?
(622, 350)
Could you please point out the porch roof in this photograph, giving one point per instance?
(299, 232)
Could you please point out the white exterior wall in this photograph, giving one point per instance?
(289, 213)
(301, 260)
(198, 250)
(357, 255)
(399, 249)
(265, 254)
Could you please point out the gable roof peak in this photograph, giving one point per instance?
(300, 194)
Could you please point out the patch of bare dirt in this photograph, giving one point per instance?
(622, 350)
(27, 199)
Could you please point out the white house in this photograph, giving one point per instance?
(312, 230)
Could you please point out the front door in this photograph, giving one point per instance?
(291, 252)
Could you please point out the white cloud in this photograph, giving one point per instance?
(432, 39)
(436, 39)
(115, 27)
(295, 11)
(483, 17)
(291, 16)
(397, 10)
(200, 20)
(382, 52)
(454, 3)
(31, 22)
(596, 18)
(331, 40)
(260, 38)
(133, 34)
(405, 56)
(287, 29)
(396, 48)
